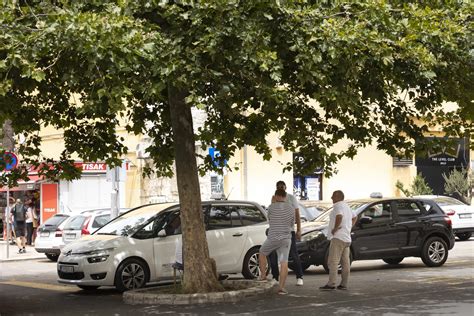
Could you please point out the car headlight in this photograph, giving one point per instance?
(97, 259)
(97, 256)
(311, 236)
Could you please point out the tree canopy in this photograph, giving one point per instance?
(317, 72)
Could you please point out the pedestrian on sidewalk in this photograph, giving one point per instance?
(294, 237)
(281, 217)
(341, 220)
(19, 217)
(30, 222)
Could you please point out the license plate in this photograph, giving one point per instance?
(44, 234)
(465, 215)
(71, 236)
(67, 269)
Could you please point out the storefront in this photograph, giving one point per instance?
(92, 191)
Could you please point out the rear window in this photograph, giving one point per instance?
(56, 220)
(75, 223)
(445, 201)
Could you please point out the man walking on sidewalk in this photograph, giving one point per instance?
(19, 216)
(341, 220)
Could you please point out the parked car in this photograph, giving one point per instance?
(49, 236)
(462, 215)
(86, 223)
(139, 247)
(387, 229)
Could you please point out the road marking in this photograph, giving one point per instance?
(42, 286)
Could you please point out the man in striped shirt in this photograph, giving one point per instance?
(281, 217)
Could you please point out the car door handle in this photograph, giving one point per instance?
(237, 234)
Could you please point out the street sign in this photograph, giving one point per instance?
(11, 160)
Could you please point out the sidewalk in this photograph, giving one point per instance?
(15, 256)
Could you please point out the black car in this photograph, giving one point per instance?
(389, 229)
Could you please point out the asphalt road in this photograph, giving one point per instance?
(410, 288)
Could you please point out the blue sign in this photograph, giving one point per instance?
(215, 153)
(11, 160)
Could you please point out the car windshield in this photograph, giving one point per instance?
(128, 223)
(324, 217)
(445, 201)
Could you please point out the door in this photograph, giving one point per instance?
(410, 221)
(379, 238)
(226, 237)
(166, 229)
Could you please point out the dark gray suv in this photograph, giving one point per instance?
(389, 229)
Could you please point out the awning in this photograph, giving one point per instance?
(33, 184)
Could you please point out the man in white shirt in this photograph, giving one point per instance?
(341, 221)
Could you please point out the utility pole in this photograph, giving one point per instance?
(8, 143)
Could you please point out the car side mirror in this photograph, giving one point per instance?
(162, 233)
(365, 220)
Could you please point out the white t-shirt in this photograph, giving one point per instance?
(179, 251)
(344, 232)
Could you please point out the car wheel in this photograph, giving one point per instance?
(52, 256)
(131, 274)
(250, 268)
(464, 236)
(434, 252)
(339, 267)
(393, 260)
(88, 287)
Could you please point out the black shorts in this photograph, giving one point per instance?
(20, 229)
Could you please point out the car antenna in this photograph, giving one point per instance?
(227, 197)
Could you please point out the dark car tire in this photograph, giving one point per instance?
(434, 252)
(52, 256)
(339, 269)
(464, 236)
(131, 274)
(88, 287)
(393, 260)
(250, 266)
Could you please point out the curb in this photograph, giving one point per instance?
(21, 259)
(153, 296)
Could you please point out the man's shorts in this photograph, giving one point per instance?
(282, 247)
(20, 229)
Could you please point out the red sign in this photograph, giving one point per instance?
(11, 160)
(49, 200)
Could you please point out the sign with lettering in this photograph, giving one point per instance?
(456, 155)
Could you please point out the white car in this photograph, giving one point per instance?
(139, 246)
(86, 223)
(49, 237)
(461, 215)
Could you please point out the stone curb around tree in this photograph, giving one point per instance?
(247, 289)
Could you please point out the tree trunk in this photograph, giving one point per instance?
(199, 269)
(8, 141)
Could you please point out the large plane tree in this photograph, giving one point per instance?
(317, 72)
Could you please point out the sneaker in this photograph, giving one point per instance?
(342, 287)
(24, 250)
(282, 292)
(20, 251)
(299, 281)
(327, 288)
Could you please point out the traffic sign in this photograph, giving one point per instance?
(11, 160)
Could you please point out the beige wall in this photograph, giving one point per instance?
(260, 175)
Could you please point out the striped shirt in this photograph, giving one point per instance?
(281, 216)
